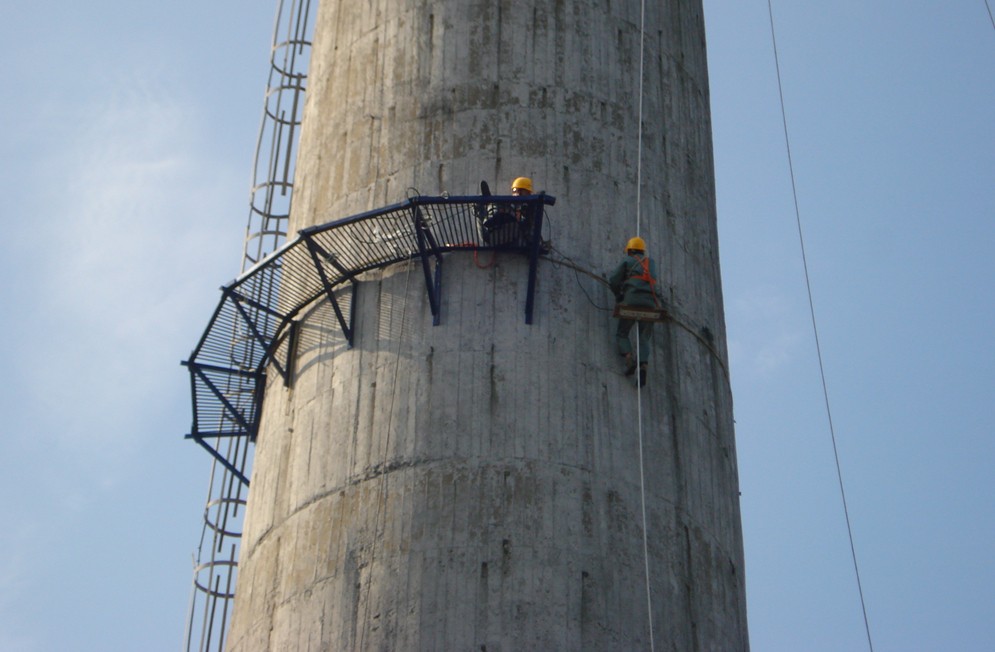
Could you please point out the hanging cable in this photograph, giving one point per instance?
(642, 490)
(639, 126)
(990, 16)
(815, 329)
(639, 372)
(381, 487)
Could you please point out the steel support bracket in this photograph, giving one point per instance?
(428, 246)
(319, 254)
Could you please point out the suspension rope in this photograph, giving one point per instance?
(639, 370)
(642, 490)
(639, 126)
(815, 329)
(381, 488)
(990, 16)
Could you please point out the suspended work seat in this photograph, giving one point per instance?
(639, 313)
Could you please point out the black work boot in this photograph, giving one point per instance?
(642, 375)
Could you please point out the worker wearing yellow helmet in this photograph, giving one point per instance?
(506, 224)
(634, 284)
(521, 186)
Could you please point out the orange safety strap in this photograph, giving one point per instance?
(645, 275)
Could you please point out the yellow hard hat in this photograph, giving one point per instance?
(636, 244)
(522, 182)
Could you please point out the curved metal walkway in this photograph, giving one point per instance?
(255, 325)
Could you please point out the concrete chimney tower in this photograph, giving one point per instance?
(485, 483)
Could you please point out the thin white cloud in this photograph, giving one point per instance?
(123, 271)
(15, 642)
(15, 541)
(765, 333)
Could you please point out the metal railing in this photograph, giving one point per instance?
(323, 262)
(256, 324)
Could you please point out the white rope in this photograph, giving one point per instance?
(642, 492)
(639, 384)
(639, 126)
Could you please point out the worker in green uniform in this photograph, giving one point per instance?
(634, 284)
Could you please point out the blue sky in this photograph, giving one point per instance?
(130, 132)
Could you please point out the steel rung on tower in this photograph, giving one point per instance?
(216, 563)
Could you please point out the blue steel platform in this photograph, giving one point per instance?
(255, 325)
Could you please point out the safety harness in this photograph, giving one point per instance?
(643, 262)
(640, 313)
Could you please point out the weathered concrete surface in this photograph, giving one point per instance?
(476, 485)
